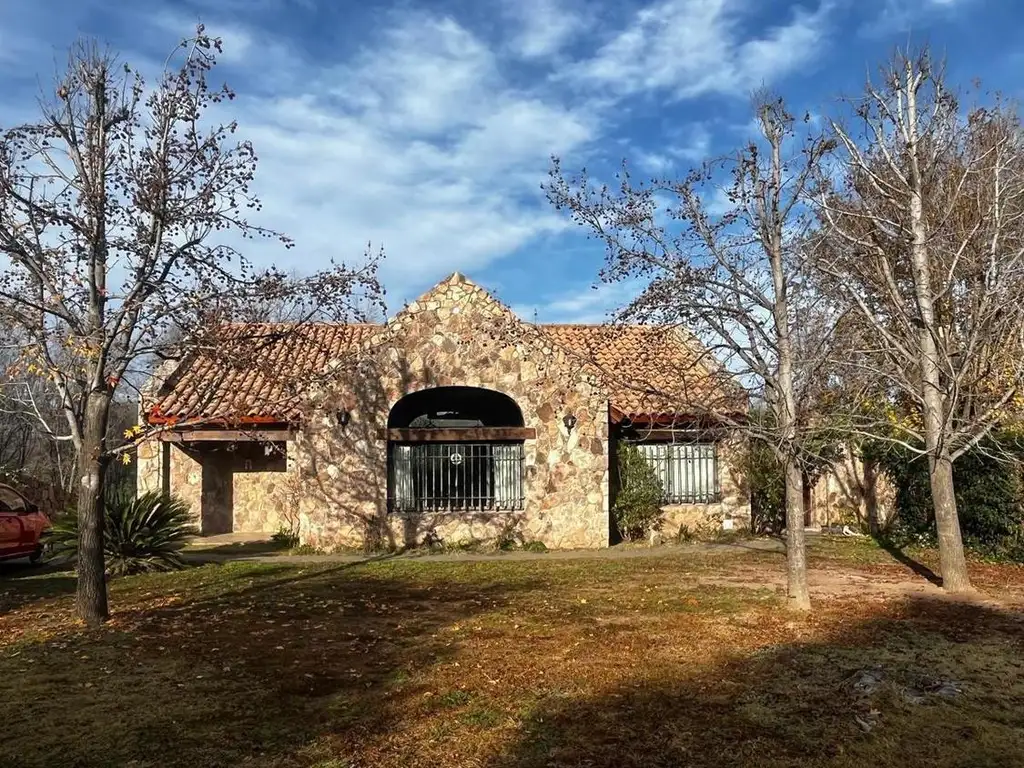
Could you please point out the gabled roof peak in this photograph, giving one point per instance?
(454, 279)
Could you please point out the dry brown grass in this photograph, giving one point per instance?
(631, 662)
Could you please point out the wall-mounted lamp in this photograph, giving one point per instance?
(343, 417)
(569, 421)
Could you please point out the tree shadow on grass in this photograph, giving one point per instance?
(919, 568)
(934, 684)
(254, 674)
(408, 663)
(22, 583)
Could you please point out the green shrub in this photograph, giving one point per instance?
(989, 495)
(509, 538)
(767, 482)
(306, 549)
(685, 535)
(141, 534)
(285, 538)
(637, 509)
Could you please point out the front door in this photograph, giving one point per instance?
(217, 505)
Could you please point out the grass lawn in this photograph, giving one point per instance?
(640, 661)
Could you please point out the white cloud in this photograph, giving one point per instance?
(433, 141)
(693, 144)
(238, 41)
(591, 304)
(417, 143)
(898, 16)
(716, 201)
(545, 26)
(691, 48)
(654, 162)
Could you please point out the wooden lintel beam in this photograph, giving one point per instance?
(228, 435)
(668, 435)
(456, 434)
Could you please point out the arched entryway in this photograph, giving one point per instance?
(456, 449)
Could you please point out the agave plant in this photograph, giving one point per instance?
(141, 534)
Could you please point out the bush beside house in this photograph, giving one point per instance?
(989, 495)
(637, 509)
(141, 534)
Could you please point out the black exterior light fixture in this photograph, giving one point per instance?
(343, 417)
(570, 421)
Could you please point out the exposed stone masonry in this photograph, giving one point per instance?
(458, 335)
(332, 487)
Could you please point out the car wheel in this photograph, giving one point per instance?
(36, 556)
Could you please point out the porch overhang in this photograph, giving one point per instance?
(673, 419)
(262, 435)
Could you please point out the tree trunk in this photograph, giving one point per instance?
(869, 494)
(952, 561)
(785, 402)
(798, 597)
(933, 395)
(91, 597)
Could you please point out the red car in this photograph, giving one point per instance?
(22, 526)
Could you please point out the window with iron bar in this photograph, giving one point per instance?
(456, 477)
(688, 471)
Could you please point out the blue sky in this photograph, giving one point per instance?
(427, 127)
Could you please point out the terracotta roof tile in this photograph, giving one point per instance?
(254, 373)
(251, 373)
(652, 370)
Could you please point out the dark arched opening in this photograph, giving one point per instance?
(455, 408)
(456, 449)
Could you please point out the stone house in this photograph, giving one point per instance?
(454, 421)
(853, 491)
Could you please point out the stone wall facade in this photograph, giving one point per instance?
(331, 487)
(457, 335)
(183, 469)
(852, 492)
(237, 488)
(731, 512)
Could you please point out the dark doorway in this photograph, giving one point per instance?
(446, 407)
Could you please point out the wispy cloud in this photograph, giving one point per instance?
(899, 16)
(656, 163)
(417, 142)
(689, 48)
(427, 131)
(593, 303)
(692, 143)
(544, 26)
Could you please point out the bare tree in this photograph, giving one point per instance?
(735, 278)
(111, 210)
(923, 221)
